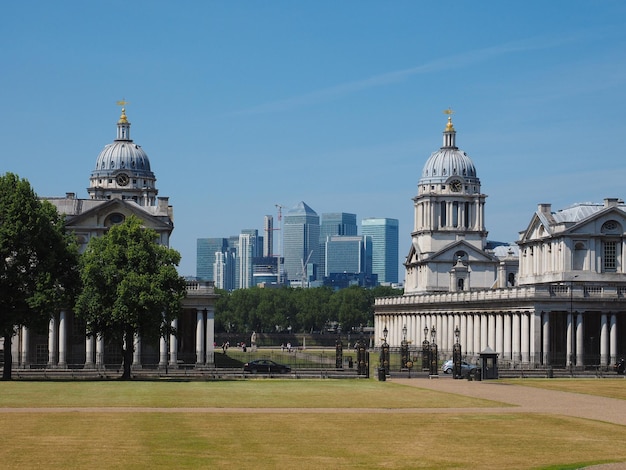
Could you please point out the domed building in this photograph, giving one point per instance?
(555, 299)
(449, 250)
(121, 184)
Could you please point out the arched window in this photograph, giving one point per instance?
(460, 283)
(511, 280)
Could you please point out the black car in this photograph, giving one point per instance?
(265, 365)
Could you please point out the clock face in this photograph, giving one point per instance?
(456, 186)
(122, 179)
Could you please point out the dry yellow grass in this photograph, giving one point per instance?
(258, 438)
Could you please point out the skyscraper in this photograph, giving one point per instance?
(335, 223)
(385, 240)
(301, 243)
(346, 254)
(206, 248)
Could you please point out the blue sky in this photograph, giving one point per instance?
(245, 105)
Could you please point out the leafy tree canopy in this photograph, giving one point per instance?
(300, 310)
(130, 285)
(38, 262)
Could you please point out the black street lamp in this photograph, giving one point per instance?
(338, 351)
(456, 355)
(425, 351)
(434, 359)
(572, 326)
(384, 352)
(404, 349)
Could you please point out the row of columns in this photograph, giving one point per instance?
(94, 346)
(519, 337)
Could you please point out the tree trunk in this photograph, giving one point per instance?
(127, 355)
(128, 360)
(8, 358)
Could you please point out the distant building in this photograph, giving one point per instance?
(385, 239)
(335, 223)
(347, 254)
(301, 244)
(207, 250)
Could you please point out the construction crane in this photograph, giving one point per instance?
(304, 264)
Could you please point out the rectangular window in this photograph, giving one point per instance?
(610, 256)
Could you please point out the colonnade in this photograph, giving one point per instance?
(94, 345)
(519, 338)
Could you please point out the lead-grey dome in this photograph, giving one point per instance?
(448, 161)
(123, 155)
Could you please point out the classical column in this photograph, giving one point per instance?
(63, 339)
(442, 333)
(484, 332)
(199, 336)
(90, 342)
(604, 340)
(516, 351)
(477, 330)
(525, 338)
(508, 321)
(613, 338)
(499, 347)
(25, 360)
(570, 340)
(136, 351)
(52, 342)
(580, 349)
(15, 349)
(99, 351)
(210, 334)
(491, 329)
(545, 327)
(469, 337)
(174, 344)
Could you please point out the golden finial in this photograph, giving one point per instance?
(449, 112)
(123, 103)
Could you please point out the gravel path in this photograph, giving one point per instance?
(529, 399)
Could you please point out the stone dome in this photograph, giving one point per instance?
(448, 161)
(123, 155)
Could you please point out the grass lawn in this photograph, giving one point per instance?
(270, 433)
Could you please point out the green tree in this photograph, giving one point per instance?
(130, 286)
(38, 262)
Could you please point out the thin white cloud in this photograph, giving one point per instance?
(438, 65)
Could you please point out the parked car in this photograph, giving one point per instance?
(466, 368)
(265, 365)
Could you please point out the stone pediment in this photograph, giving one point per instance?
(594, 223)
(97, 213)
(450, 254)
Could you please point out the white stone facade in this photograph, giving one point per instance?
(556, 299)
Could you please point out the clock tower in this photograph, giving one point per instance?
(123, 169)
(449, 238)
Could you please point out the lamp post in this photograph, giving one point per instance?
(433, 353)
(572, 325)
(338, 351)
(384, 352)
(425, 351)
(404, 349)
(456, 354)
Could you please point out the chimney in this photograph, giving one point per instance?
(611, 202)
(544, 208)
